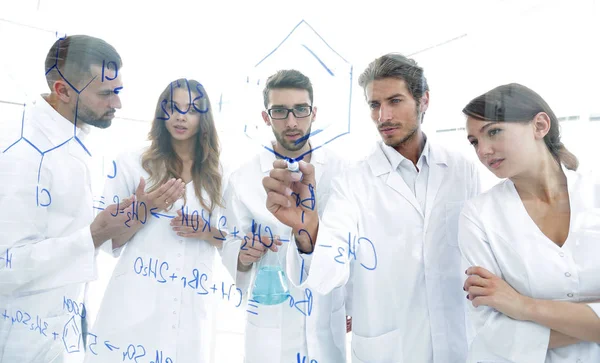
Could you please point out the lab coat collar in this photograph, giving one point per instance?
(378, 162)
(395, 158)
(380, 165)
(438, 167)
(577, 204)
(437, 155)
(57, 128)
(266, 161)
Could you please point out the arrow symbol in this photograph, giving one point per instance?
(110, 346)
(158, 215)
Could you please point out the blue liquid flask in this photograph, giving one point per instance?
(270, 284)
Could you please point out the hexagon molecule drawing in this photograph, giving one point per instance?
(71, 336)
(305, 50)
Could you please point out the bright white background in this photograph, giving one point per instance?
(466, 47)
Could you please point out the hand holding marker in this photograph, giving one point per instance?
(293, 166)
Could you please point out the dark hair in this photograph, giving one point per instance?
(162, 162)
(287, 78)
(395, 65)
(516, 103)
(74, 55)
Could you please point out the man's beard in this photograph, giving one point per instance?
(87, 116)
(404, 140)
(411, 134)
(292, 146)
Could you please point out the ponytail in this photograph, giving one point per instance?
(561, 153)
(567, 158)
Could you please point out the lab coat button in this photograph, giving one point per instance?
(579, 361)
(561, 254)
(174, 327)
(570, 295)
(174, 313)
(567, 274)
(179, 255)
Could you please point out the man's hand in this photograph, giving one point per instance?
(253, 249)
(120, 221)
(113, 221)
(291, 198)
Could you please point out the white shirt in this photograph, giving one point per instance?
(147, 302)
(46, 208)
(407, 296)
(416, 180)
(414, 177)
(320, 336)
(497, 233)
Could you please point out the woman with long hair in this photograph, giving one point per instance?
(157, 302)
(531, 243)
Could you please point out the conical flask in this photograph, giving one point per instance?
(270, 284)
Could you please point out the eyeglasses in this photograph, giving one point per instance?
(280, 113)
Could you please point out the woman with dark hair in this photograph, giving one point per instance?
(157, 302)
(532, 242)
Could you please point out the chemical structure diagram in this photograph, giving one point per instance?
(305, 49)
(43, 195)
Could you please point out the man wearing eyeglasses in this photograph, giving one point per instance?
(301, 328)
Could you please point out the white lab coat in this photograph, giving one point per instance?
(51, 246)
(157, 313)
(278, 333)
(495, 232)
(372, 201)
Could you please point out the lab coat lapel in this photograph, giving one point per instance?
(380, 166)
(266, 162)
(579, 206)
(437, 172)
(78, 146)
(318, 160)
(395, 181)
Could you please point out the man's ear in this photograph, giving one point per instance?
(266, 118)
(424, 105)
(314, 114)
(63, 91)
